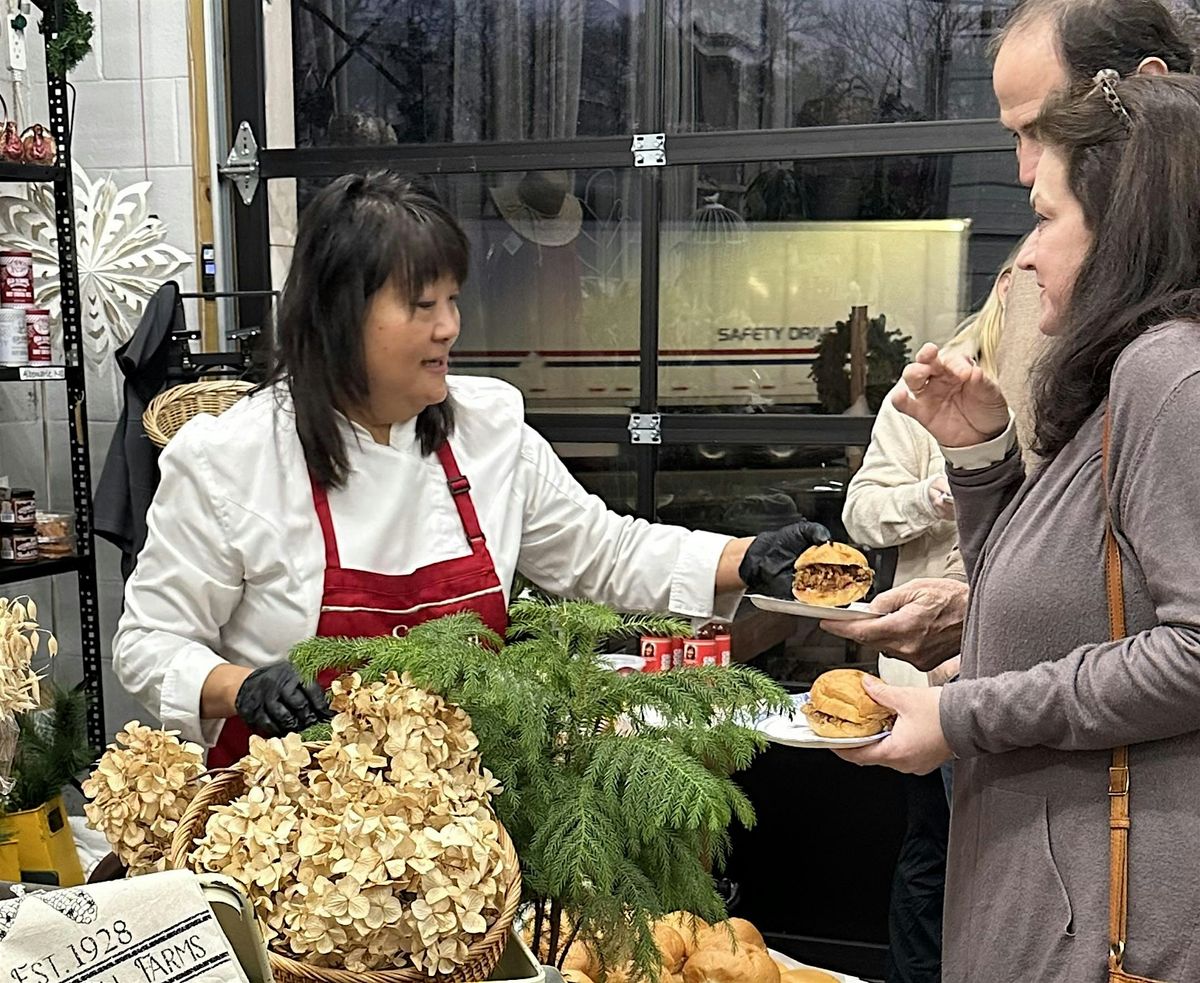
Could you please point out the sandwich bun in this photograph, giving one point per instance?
(838, 706)
(831, 575)
(749, 964)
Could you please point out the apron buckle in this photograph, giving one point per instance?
(459, 485)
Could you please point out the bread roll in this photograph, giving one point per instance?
(670, 943)
(749, 964)
(575, 976)
(688, 926)
(736, 933)
(580, 958)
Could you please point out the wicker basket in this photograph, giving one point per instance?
(482, 957)
(170, 410)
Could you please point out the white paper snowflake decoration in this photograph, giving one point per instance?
(120, 250)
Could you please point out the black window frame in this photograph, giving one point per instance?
(247, 88)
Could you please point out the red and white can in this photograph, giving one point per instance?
(37, 323)
(677, 652)
(724, 649)
(656, 653)
(16, 278)
(699, 652)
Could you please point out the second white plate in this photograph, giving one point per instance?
(795, 732)
(851, 612)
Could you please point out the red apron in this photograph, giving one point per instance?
(360, 604)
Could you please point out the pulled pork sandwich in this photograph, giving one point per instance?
(832, 575)
(838, 706)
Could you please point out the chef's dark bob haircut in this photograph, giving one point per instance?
(356, 235)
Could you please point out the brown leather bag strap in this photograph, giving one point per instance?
(1118, 773)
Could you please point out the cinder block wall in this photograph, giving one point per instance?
(133, 120)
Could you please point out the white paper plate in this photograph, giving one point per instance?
(795, 732)
(851, 612)
(791, 963)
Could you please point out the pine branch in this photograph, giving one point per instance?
(610, 830)
(660, 784)
(51, 750)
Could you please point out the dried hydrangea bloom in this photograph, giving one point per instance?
(20, 639)
(139, 791)
(381, 850)
(278, 762)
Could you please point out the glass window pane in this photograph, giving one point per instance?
(367, 72)
(764, 265)
(744, 489)
(553, 299)
(771, 64)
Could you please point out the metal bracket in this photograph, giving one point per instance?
(649, 150)
(241, 166)
(645, 428)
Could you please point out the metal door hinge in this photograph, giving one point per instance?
(645, 428)
(241, 166)
(649, 150)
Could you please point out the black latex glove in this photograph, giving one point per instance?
(770, 563)
(274, 701)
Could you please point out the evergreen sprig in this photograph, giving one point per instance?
(52, 749)
(618, 792)
(73, 40)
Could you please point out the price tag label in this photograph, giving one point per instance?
(42, 373)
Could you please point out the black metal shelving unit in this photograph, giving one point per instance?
(71, 375)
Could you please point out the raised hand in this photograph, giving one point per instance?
(952, 398)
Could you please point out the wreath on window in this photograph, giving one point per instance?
(887, 354)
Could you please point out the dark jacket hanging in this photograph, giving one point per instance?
(130, 475)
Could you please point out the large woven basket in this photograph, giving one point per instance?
(172, 408)
(482, 957)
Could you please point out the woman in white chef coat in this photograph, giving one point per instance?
(364, 491)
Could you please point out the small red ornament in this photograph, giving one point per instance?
(11, 147)
(38, 146)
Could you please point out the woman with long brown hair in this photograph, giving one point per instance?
(1076, 720)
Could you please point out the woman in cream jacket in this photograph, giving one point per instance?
(900, 497)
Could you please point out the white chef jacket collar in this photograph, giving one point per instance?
(402, 434)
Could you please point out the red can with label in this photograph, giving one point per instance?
(37, 323)
(724, 649)
(656, 653)
(16, 278)
(699, 652)
(677, 652)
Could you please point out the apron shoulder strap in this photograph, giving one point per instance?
(321, 503)
(460, 491)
